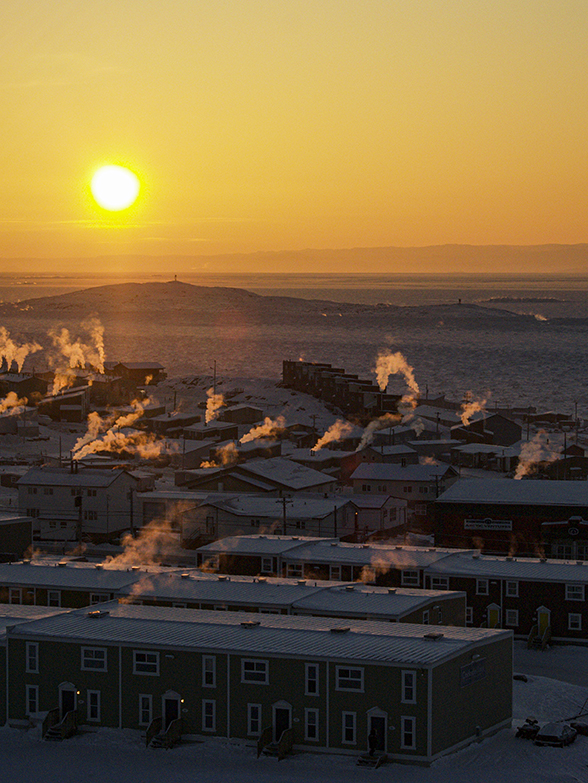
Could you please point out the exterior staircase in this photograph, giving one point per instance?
(54, 730)
(157, 738)
(279, 749)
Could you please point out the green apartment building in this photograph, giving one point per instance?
(426, 691)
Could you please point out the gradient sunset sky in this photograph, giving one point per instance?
(289, 124)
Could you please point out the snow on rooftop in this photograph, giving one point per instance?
(67, 576)
(520, 492)
(65, 478)
(387, 471)
(282, 635)
(298, 507)
(257, 544)
(285, 471)
(527, 568)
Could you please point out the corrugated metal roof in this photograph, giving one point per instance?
(262, 545)
(368, 554)
(299, 507)
(388, 471)
(284, 471)
(87, 477)
(529, 568)
(517, 492)
(13, 614)
(66, 576)
(276, 635)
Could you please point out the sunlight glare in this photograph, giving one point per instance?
(115, 187)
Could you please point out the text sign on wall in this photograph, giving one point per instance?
(487, 524)
(472, 672)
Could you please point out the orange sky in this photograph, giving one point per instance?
(265, 125)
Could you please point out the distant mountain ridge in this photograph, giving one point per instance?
(434, 259)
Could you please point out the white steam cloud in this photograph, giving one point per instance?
(270, 428)
(213, 405)
(533, 453)
(469, 407)
(10, 351)
(13, 404)
(340, 429)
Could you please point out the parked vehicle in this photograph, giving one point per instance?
(528, 729)
(556, 735)
(581, 728)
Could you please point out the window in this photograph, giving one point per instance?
(421, 509)
(335, 573)
(76, 492)
(511, 589)
(409, 687)
(348, 720)
(294, 571)
(407, 732)
(469, 615)
(208, 671)
(426, 617)
(511, 617)
(266, 565)
(410, 578)
(439, 583)
(254, 719)
(48, 491)
(54, 598)
(145, 662)
(349, 679)
(32, 490)
(91, 493)
(439, 616)
(254, 671)
(93, 703)
(33, 512)
(32, 653)
(573, 593)
(312, 679)
(98, 598)
(145, 709)
(407, 489)
(15, 595)
(94, 658)
(481, 587)
(208, 715)
(32, 699)
(574, 622)
(91, 515)
(311, 724)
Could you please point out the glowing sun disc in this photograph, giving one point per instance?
(114, 187)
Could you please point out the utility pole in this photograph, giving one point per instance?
(214, 377)
(285, 500)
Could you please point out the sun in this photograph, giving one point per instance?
(115, 187)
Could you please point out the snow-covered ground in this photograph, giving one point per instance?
(120, 755)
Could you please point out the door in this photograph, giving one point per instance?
(493, 616)
(171, 710)
(378, 723)
(543, 619)
(281, 722)
(67, 701)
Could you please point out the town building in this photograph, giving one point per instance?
(425, 692)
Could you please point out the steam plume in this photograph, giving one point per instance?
(268, 429)
(534, 452)
(151, 545)
(13, 352)
(77, 353)
(13, 404)
(392, 364)
(340, 429)
(387, 420)
(213, 405)
(470, 407)
(224, 456)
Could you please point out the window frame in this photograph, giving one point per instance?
(469, 616)
(84, 659)
(574, 586)
(255, 661)
(15, 592)
(405, 721)
(308, 679)
(511, 588)
(339, 677)
(102, 596)
(578, 617)
(209, 703)
(137, 671)
(90, 706)
(149, 709)
(264, 565)
(482, 587)
(344, 727)
(52, 597)
(409, 694)
(442, 582)
(34, 690)
(209, 659)
(308, 712)
(251, 732)
(410, 581)
(32, 653)
(514, 612)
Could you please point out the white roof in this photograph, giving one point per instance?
(364, 500)
(86, 477)
(527, 568)
(7, 518)
(276, 635)
(488, 448)
(297, 507)
(517, 492)
(258, 544)
(387, 471)
(351, 599)
(66, 576)
(285, 471)
(13, 614)
(378, 556)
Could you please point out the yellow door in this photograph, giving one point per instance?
(543, 620)
(493, 616)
